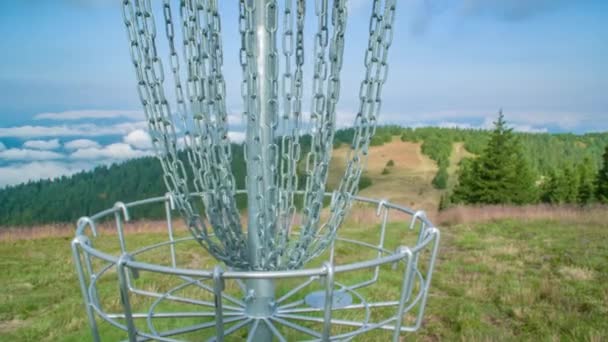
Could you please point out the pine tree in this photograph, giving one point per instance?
(524, 189)
(571, 185)
(500, 175)
(553, 188)
(586, 182)
(602, 180)
(440, 181)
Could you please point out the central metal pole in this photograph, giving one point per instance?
(260, 295)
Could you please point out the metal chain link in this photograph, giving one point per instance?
(376, 65)
(323, 114)
(202, 114)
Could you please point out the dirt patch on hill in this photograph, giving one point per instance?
(407, 182)
(459, 152)
(406, 156)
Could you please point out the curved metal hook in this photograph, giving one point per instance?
(84, 222)
(169, 197)
(381, 204)
(419, 214)
(124, 209)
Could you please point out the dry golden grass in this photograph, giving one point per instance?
(68, 230)
(360, 216)
(562, 213)
(458, 153)
(409, 180)
(577, 273)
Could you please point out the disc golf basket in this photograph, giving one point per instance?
(286, 272)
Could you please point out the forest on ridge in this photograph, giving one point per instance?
(559, 169)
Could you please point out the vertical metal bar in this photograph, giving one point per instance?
(261, 163)
(419, 215)
(124, 297)
(329, 298)
(83, 287)
(218, 287)
(260, 133)
(121, 234)
(429, 275)
(94, 298)
(382, 236)
(416, 256)
(406, 291)
(170, 205)
(260, 303)
(332, 252)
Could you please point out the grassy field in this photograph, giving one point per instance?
(499, 280)
(522, 273)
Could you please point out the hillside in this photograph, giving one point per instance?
(408, 182)
(417, 156)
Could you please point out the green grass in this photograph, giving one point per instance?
(505, 280)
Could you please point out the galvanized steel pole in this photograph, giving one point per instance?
(260, 163)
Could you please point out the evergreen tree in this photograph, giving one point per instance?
(524, 189)
(500, 175)
(571, 185)
(440, 181)
(586, 182)
(602, 179)
(555, 188)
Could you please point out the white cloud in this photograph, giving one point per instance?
(564, 120)
(529, 129)
(27, 154)
(118, 151)
(91, 114)
(81, 143)
(236, 137)
(535, 119)
(70, 130)
(139, 139)
(525, 128)
(43, 144)
(19, 173)
(461, 125)
(235, 119)
(488, 124)
(2, 147)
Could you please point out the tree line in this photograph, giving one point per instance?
(66, 198)
(563, 168)
(503, 173)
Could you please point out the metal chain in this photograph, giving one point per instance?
(324, 110)
(376, 64)
(141, 30)
(213, 173)
(252, 105)
(315, 166)
(292, 91)
(201, 110)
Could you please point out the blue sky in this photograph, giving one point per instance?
(68, 99)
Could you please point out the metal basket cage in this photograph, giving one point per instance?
(355, 287)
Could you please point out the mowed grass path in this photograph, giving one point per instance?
(504, 280)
